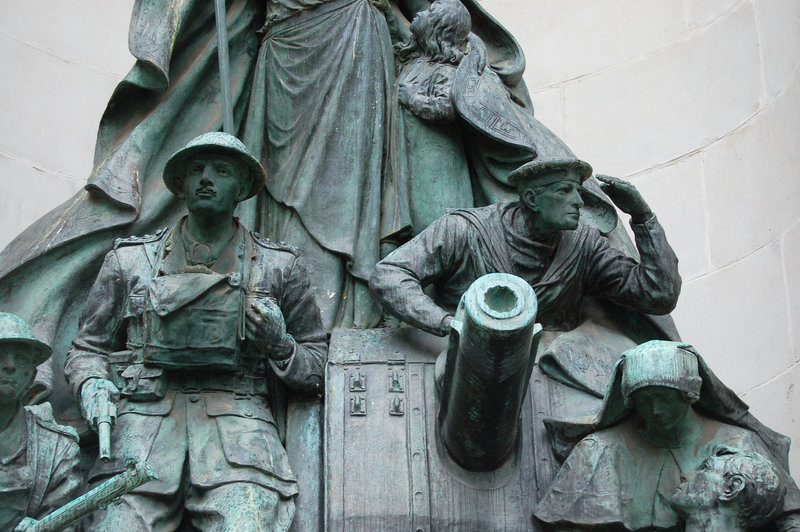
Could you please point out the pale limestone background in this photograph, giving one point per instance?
(696, 101)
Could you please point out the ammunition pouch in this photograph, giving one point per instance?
(143, 383)
(194, 321)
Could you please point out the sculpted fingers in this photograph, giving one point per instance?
(624, 195)
(97, 401)
(266, 326)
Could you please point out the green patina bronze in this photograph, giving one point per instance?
(313, 93)
(188, 342)
(662, 416)
(39, 468)
(202, 346)
(732, 490)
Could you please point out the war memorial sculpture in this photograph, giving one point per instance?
(456, 335)
(39, 465)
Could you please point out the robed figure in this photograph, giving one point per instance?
(312, 84)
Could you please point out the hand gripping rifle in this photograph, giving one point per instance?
(137, 474)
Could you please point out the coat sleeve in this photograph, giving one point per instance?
(303, 371)
(400, 278)
(651, 285)
(64, 483)
(100, 329)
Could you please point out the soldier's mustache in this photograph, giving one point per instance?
(205, 190)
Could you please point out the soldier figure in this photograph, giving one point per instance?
(732, 490)
(39, 470)
(192, 333)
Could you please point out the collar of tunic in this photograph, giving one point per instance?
(530, 254)
(177, 257)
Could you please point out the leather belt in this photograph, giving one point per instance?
(188, 382)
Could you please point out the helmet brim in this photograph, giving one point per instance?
(175, 169)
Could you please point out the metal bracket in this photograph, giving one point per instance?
(396, 382)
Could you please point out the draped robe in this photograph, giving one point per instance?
(311, 83)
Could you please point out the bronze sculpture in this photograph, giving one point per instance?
(538, 238)
(449, 438)
(195, 330)
(172, 95)
(732, 490)
(161, 94)
(108, 492)
(39, 468)
(662, 415)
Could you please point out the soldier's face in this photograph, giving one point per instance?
(557, 206)
(16, 371)
(214, 184)
(699, 489)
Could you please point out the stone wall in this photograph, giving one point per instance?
(696, 101)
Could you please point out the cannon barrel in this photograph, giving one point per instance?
(487, 369)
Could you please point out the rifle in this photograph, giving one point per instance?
(137, 474)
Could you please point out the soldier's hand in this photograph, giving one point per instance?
(97, 401)
(267, 329)
(626, 197)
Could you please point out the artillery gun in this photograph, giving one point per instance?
(426, 434)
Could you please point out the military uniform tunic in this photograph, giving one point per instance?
(40, 472)
(198, 427)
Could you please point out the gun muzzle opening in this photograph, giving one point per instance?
(501, 301)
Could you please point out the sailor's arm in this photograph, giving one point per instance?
(652, 284)
(399, 279)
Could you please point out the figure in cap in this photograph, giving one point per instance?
(539, 238)
(663, 414)
(580, 277)
(39, 469)
(193, 333)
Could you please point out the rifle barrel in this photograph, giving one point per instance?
(96, 498)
